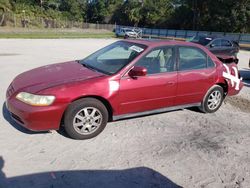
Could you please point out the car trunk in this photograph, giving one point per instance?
(228, 59)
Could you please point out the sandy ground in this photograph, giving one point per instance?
(181, 148)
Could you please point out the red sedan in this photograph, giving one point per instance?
(125, 79)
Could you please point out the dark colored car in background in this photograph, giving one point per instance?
(218, 45)
(125, 79)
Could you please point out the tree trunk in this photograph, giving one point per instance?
(2, 20)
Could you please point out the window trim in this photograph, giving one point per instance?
(199, 49)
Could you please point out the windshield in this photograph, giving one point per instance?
(112, 58)
(201, 40)
(126, 30)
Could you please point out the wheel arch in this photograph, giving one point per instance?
(224, 86)
(101, 99)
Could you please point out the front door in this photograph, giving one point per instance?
(155, 90)
(215, 47)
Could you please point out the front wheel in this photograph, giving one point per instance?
(85, 118)
(212, 100)
(126, 36)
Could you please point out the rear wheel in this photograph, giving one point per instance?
(85, 118)
(213, 100)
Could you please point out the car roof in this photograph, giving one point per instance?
(208, 36)
(213, 37)
(153, 43)
(126, 28)
(157, 42)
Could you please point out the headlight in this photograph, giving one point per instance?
(35, 100)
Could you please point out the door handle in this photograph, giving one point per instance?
(170, 83)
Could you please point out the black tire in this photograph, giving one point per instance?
(206, 103)
(79, 107)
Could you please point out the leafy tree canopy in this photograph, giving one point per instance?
(219, 15)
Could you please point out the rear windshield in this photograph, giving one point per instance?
(127, 30)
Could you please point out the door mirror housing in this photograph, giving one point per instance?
(137, 71)
(212, 45)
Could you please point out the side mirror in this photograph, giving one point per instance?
(212, 45)
(137, 71)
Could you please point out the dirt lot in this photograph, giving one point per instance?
(181, 148)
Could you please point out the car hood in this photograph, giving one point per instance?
(48, 76)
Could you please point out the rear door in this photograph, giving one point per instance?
(155, 90)
(227, 47)
(196, 74)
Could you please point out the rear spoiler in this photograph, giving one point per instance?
(228, 59)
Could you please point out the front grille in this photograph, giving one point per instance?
(10, 90)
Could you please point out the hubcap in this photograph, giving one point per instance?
(87, 120)
(214, 100)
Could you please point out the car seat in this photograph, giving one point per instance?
(166, 61)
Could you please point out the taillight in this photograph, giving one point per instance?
(239, 75)
(232, 72)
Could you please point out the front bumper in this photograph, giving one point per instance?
(35, 118)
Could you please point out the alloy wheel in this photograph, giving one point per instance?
(214, 100)
(87, 120)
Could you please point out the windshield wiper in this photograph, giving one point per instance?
(86, 65)
(92, 68)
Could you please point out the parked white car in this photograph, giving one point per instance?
(129, 33)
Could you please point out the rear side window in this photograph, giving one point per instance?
(210, 62)
(191, 59)
(226, 43)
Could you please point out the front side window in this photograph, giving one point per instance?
(191, 59)
(113, 58)
(159, 60)
(216, 43)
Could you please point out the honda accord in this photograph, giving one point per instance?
(123, 80)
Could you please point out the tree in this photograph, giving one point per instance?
(222, 15)
(156, 12)
(210, 15)
(128, 13)
(97, 11)
(76, 10)
(5, 6)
